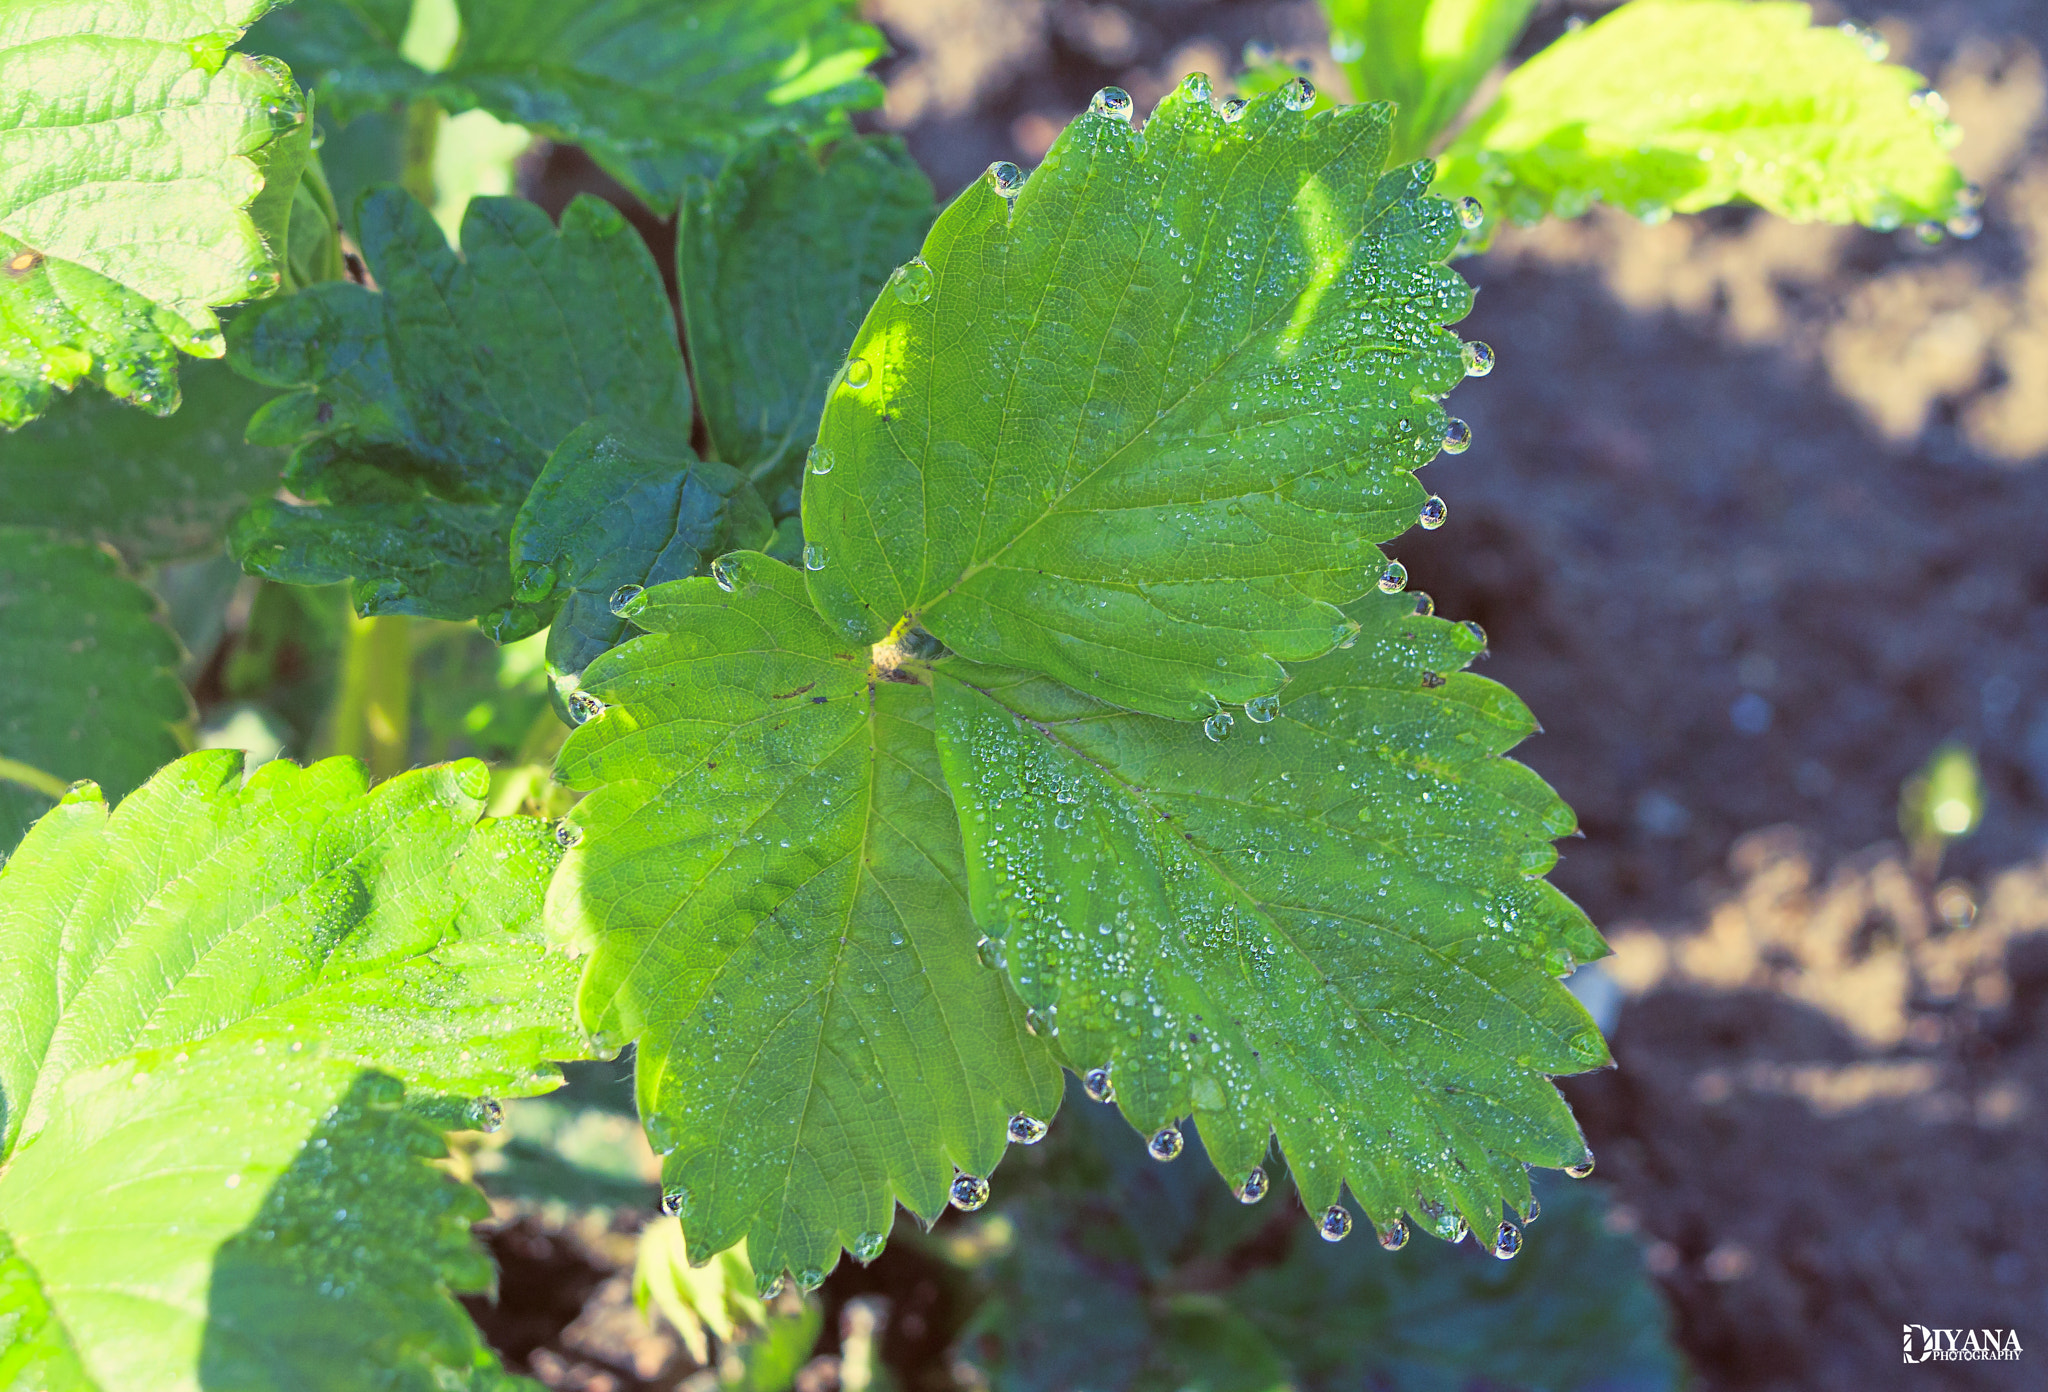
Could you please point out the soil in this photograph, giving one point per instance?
(1757, 517)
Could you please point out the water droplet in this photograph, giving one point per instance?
(1478, 359)
(868, 1246)
(809, 1279)
(912, 281)
(1234, 108)
(584, 707)
(858, 373)
(1098, 1086)
(1217, 726)
(814, 557)
(486, 1114)
(1507, 1240)
(1113, 102)
(1424, 607)
(1874, 46)
(1965, 225)
(1929, 233)
(726, 572)
(1471, 213)
(1457, 436)
(1532, 1212)
(1394, 1236)
(1006, 178)
(1165, 1144)
(1582, 1169)
(675, 1202)
(1393, 578)
(1260, 710)
(1195, 87)
(1026, 1130)
(627, 600)
(1336, 1223)
(568, 835)
(1254, 1187)
(969, 1192)
(1298, 95)
(1476, 631)
(1434, 511)
(767, 1287)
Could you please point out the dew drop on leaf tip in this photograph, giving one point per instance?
(1393, 579)
(725, 573)
(1335, 1224)
(1195, 87)
(1298, 95)
(1507, 1240)
(1026, 1130)
(1582, 1169)
(1457, 436)
(868, 1246)
(1471, 213)
(487, 1114)
(673, 1202)
(1394, 1236)
(1234, 108)
(1006, 178)
(1478, 358)
(627, 601)
(568, 835)
(1433, 514)
(969, 1192)
(767, 1287)
(1113, 102)
(1097, 1085)
(1165, 1144)
(1254, 1187)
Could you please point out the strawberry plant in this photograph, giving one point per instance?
(976, 655)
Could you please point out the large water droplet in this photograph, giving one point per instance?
(1532, 1211)
(1298, 95)
(969, 1192)
(1217, 726)
(1507, 1240)
(568, 835)
(1233, 109)
(1336, 1223)
(1165, 1144)
(1965, 225)
(868, 1246)
(584, 707)
(814, 557)
(819, 460)
(1195, 87)
(1434, 511)
(1582, 1169)
(726, 572)
(1471, 213)
(486, 1114)
(1254, 1187)
(809, 1279)
(675, 1202)
(858, 373)
(1478, 359)
(912, 281)
(1393, 578)
(628, 600)
(1097, 1085)
(1006, 178)
(1457, 436)
(1026, 1130)
(1394, 1236)
(1260, 710)
(767, 1287)
(1113, 102)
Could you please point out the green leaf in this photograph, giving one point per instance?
(422, 416)
(778, 260)
(1325, 927)
(1427, 58)
(115, 117)
(154, 489)
(1145, 431)
(218, 994)
(1679, 105)
(657, 91)
(87, 682)
(769, 876)
(608, 517)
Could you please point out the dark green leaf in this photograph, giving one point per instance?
(769, 876)
(87, 686)
(423, 415)
(1324, 927)
(778, 260)
(1143, 434)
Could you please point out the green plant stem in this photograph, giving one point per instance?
(372, 716)
(29, 776)
(422, 133)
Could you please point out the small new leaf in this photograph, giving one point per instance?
(1321, 922)
(1425, 56)
(114, 118)
(1677, 105)
(767, 870)
(1145, 430)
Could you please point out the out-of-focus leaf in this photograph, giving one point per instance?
(608, 514)
(715, 1297)
(88, 687)
(114, 118)
(1144, 431)
(154, 489)
(778, 260)
(1425, 56)
(767, 872)
(422, 415)
(1679, 105)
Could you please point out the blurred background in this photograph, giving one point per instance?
(1757, 522)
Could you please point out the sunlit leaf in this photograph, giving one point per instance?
(1425, 56)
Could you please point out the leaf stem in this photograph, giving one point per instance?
(29, 776)
(372, 717)
(422, 134)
